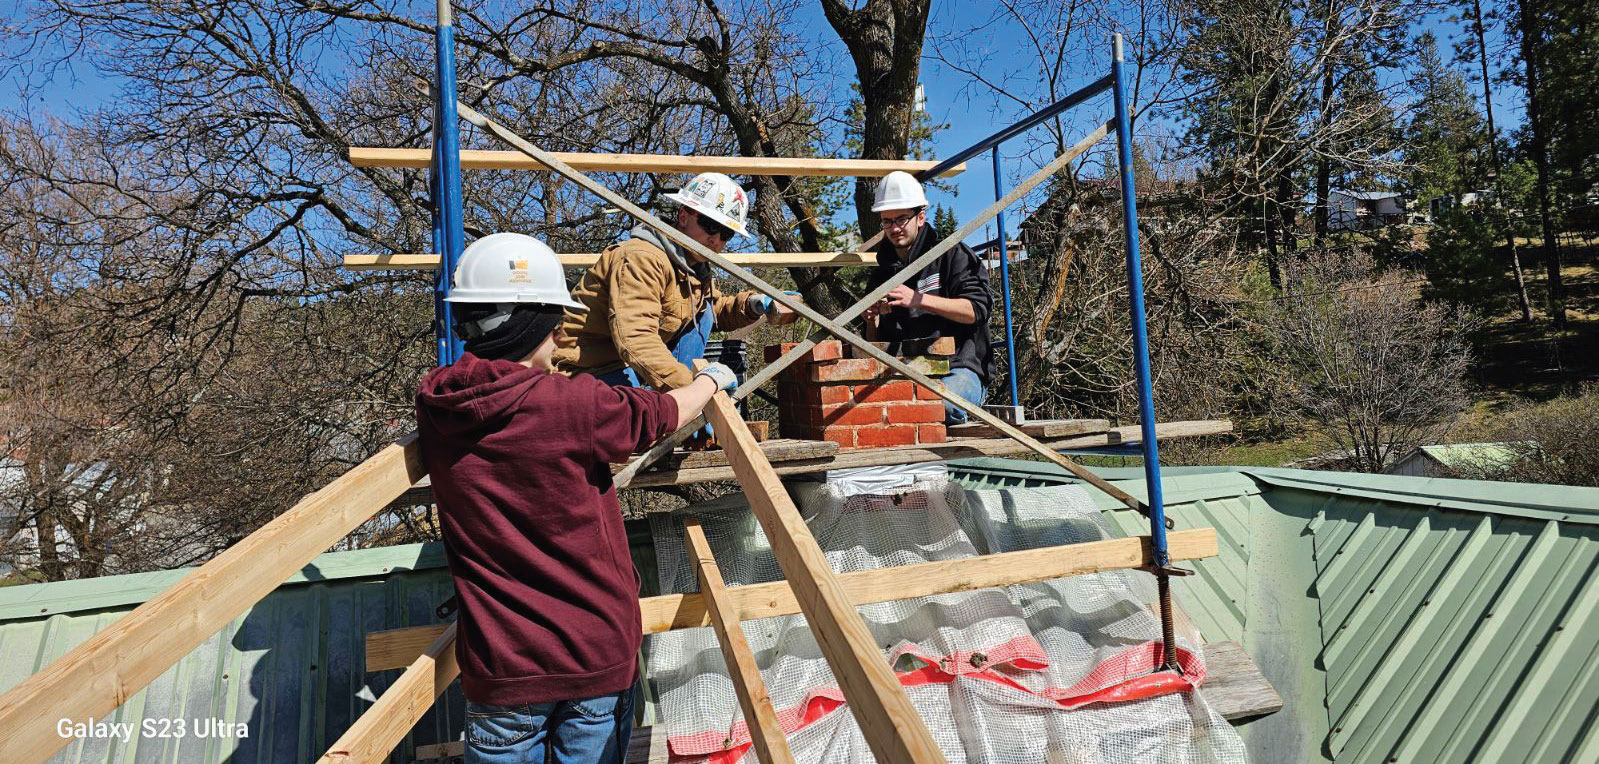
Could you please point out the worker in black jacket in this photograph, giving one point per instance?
(949, 298)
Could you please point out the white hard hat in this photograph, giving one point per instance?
(510, 268)
(717, 197)
(898, 191)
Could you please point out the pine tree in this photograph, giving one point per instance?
(1443, 137)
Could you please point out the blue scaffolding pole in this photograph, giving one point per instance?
(449, 237)
(1004, 287)
(1146, 393)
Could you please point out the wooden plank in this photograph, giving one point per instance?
(395, 648)
(428, 262)
(373, 736)
(475, 159)
(108, 668)
(1234, 685)
(957, 449)
(1047, 428)
(779, 450)
(647, 746)
(872, 693)
(766, 735)
(776, 450)
(942, 347)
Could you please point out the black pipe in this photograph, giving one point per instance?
(1089, 91)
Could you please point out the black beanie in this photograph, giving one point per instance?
(520, 334)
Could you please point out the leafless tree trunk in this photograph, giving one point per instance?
(884, 38)
(1530, 37)
(1493, 152)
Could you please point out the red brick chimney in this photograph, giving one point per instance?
(859, 402)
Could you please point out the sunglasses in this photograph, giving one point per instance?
(716, 229)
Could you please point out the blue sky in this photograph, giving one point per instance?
(971, 111)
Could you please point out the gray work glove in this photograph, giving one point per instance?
(719, 373)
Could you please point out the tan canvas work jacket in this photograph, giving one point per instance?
(638, 303)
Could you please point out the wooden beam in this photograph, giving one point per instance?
(108, 668)
(373, 736)
(766, 735)
(396, 648)
(1048, 429)
(1234, 685)
(474, 159)
(872, 693)
(957, 449)
(428, 262)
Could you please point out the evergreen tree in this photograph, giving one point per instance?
(1443, 139)
(944, 223)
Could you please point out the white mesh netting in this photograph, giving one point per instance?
(1003, 675)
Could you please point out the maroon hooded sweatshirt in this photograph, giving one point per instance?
(520, 461)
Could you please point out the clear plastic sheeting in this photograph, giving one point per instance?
(1053, 671)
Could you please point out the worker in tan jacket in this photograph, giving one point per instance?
(650, 305)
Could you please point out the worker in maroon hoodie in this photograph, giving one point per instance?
(549, 631)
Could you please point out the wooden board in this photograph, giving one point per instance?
(1234, 685)
(776, 450)
(396, 648)
(872, 693)
(373, 736)
(1048, 428)
(766, 735)
(108, 668)
(428, 262)
(943, 347)
(957, 449)
(475, 159)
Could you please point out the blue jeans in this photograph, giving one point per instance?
(966, 384)
(689, 346)
(587, 731)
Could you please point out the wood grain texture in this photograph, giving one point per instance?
(959, 449)
(108, 668)
(872, 693)
(766, 735)
(428, 262)
(476, 159)
(395, 648)
(1048, 428)
(373, 736)
(1234, 685)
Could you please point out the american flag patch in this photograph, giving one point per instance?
(928, 284)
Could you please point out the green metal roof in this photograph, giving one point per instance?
(292, 668)
(1402, 619)
(1468, 455)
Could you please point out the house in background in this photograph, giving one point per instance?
(1363, 210)
(1454, 460)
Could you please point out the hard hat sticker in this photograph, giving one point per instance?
(519, 272)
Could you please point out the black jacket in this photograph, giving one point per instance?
(958, 273)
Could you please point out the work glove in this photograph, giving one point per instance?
(719, 373)
(772, 309)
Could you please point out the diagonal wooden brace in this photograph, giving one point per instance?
(678, 237)
(904, 274)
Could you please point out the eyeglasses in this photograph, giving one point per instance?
(716, 229)
(899, 222)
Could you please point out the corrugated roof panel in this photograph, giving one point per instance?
(1455, 620)
(292, 669)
